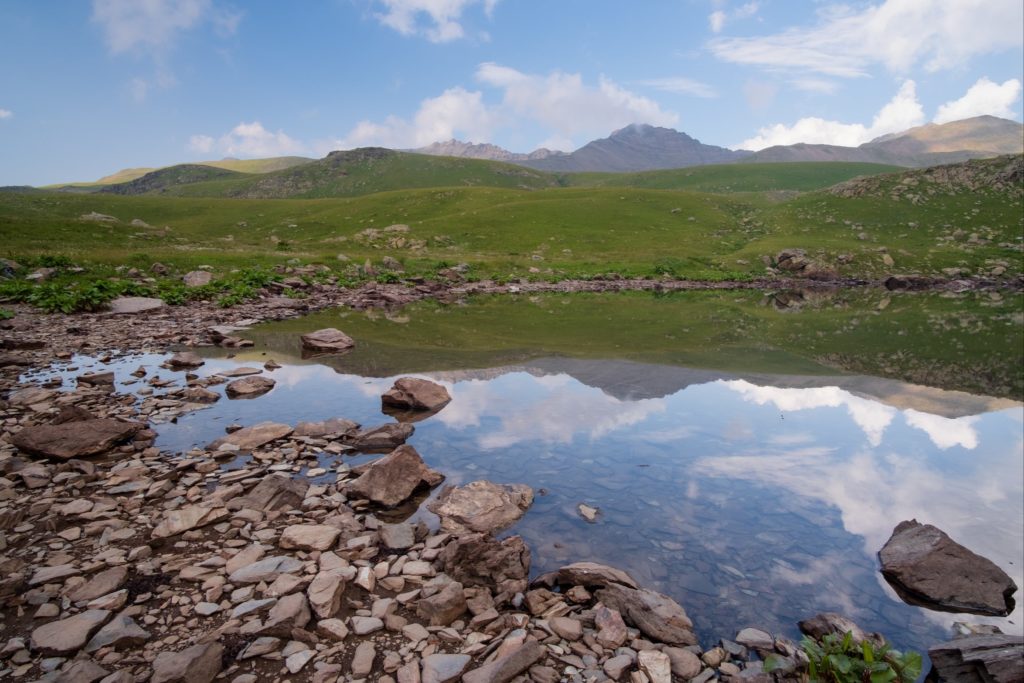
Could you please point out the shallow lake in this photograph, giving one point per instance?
(749, 454)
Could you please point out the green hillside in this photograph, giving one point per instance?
(949, 225)
(170, 178)
(126, 175)
(727, 178)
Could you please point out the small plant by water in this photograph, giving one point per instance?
(837, 659)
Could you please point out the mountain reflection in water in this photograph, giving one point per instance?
(751, 499)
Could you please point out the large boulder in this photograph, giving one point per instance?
(481, 560)
(658, 616)
(412, 393)
(248, 438)
(249, 387)
(481, 506)
(328, 340)
(75, 439)
(393, 478)
(979, 659)
(926, 566)
(197, 278)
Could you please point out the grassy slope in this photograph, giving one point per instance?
(727, 178)
(240, 165)
(559, 231)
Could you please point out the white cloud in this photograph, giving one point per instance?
(984, 97)
(6, 114)
(248, 140)
(147, 24)
(442, 17)
(899, 34)
(945, 432)
(903, 111)
(682, 85)
(718, 18)
(562, 104)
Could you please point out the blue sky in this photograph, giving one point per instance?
(88, 88)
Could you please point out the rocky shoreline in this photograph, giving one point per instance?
(125, 563)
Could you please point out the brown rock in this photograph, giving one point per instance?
(197, 664)
(480, 560)
(658, 616)
(75, 439)
(328, 340)
(830, 622)
(97, 378)
(186, 518)
(506, 668)
(593, 574)
(481, 506)
(185, 359)
(444, 607)
(382, 437)
(611, 629)
(70, 635)
(411, 393)
(925, 565)
(249, 438)
(274, 492)
(290, 612)
(335, 425)
(249, 387)
(566, 628)
(392, 479)
(200, 395)
(105, 582)
(308, 537)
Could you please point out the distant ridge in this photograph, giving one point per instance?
(638, 147)
(470, 150)
(980, 137)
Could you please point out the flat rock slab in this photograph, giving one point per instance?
(980, 659)
(481, 506)
(274, 492)
(69, 635)
(135, 304)
(241, 372)
(927, 567)
(75, 439)
(187, 518)
(249, 387)
(197, 664)
(658, 616)
(334, 425)
(593, 574)
(504, 669)
(412, 393)
(255, 436)
(327, 340)
(393, 478)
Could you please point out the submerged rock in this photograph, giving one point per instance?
(481, 506)
(928, 567)
(328, 340)
(412, 393)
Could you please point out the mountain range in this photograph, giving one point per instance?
(635, 148)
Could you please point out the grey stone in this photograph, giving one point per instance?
(70, 635)
(443, 668)
(197, 664)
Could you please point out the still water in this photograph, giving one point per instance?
(755, 495)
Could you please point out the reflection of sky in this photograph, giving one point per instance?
(749, 504)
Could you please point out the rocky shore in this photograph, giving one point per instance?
(263, 557)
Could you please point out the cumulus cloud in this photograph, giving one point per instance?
(717, 21)
(945, 432)
(903, 111)
(438, 20)
(454, 113)
(681, 85)
(6, 114)
(718, 18)
(984, 97)
(153, 25)
(898, 34)
(247, 140)
(562, 104)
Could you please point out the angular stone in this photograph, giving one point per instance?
(830, 622)
(197, 278)
(362, 626)
(593, 574)
(397, 536)
(443, 668)
(289, 613)
(308, 537)
(504, 669)
(327, 340)
(334, 425)
(261, 646)
(70, 635)
(617, 666)
(332, 629)
(122, 631)
(656, 665)
(134, 304)
(249, 438)
(105, 582)
(444, 607)
(97, 378)
(325, 591)
(979, 659)
(265, 570)
(925, 565)
(186, 518)
(566, 628)
(274, 492)
(250, 387)
(391, 479)
(685, 664)
(481, 506)
(295, 662)
(45, 575)
(658, 616)
(480, 560)
(411, 393)
(75, 439)
(382, 437)
(197, 664)
(611, 629)
(186, 359)
(362, 660)
(200, 395)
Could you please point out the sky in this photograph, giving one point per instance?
(88, 88)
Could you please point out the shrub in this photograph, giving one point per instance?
(836, 659)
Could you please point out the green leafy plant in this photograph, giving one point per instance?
(837, 659)
(5, 314)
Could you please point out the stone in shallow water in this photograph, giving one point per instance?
(249, 387)
(185, 359)
(926, 566)
(481, 506)
(412, 393)
(393, 478)
(255, 436)
(658, 616)
(327, 340)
